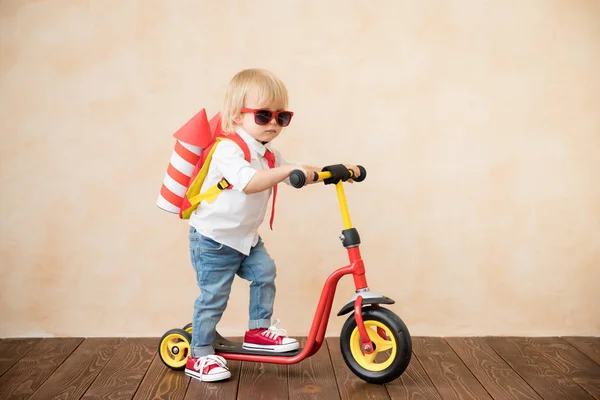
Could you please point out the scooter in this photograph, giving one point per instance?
(375, 343)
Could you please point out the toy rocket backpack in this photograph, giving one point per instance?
(191, 157)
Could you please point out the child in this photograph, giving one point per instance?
(224, 241)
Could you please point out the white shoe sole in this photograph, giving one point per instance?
(280, 348)
(210, 377)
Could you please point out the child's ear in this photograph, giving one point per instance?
(238, 119)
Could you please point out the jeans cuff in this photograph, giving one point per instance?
(202, 351)
(259, 323)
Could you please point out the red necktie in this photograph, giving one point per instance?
(270, 157)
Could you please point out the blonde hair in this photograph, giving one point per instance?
(269, 89)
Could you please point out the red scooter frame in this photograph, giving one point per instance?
(369, 332)
(321, 319)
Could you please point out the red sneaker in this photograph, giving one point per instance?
(207, 369)
(273, 339)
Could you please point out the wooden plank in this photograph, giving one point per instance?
(313, 378)
(498, 378)
(162, 382)
(451, 377)
(567, 360)
(263, 381)
(222, 390)
(350, 386)
(35, 367)
(122, 375)
(12, 350)
(536, 370)
(413, 384)
(590, 346)
(76, 374)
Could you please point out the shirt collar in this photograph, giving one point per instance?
(253, 144)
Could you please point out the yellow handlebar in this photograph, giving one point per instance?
(326, 175)
(321, 176)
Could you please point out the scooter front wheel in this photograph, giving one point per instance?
(392, 346)
(174, 348)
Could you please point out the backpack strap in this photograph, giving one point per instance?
(240, 142)
(211, 193)
(234, 137)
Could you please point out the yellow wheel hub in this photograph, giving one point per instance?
(385, 348)
(174, 350)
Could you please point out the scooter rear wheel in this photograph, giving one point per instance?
(174, 348)
(392, 346)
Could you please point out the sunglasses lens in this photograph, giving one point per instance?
(284, 118)
(263, 117)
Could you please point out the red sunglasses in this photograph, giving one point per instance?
(263, 116)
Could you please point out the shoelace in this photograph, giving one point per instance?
(203, 361)
(274, 332)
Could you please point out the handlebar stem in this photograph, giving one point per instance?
(339, 188)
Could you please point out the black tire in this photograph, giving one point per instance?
(401, 336)
(177, 357)
(188, 328)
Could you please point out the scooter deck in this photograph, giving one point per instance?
(223, 345)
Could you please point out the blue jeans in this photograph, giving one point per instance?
(216, 265)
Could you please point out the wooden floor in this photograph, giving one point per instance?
(450, 368)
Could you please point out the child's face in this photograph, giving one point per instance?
(262, 133)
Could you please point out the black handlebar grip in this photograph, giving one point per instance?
(363, 174)
(297, 178)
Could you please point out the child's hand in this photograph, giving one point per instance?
(309, 171)
(356, 172)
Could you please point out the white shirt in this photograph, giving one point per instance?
(234, 217)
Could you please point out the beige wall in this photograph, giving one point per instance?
(478, 122)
